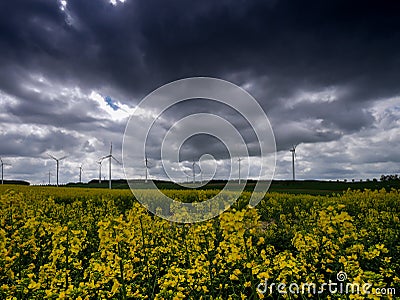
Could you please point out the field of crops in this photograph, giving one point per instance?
(72, 243)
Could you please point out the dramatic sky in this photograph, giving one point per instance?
(327, 74)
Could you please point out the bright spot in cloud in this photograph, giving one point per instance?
(326, 95)
(63, 4)
(112, 108)
(119, 111)
(115, 2)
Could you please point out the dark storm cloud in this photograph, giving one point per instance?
(281, 51)
(138, 45)
(38, 142)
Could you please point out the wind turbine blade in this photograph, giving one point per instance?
(51, 156)
(64, 157)
(107, 156)
(116, 159)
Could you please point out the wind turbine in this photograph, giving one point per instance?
(194, 172)
(100, 162)
(239, 160)
(110, 157)
(2, 169)
(49, 176)
(80, 173)
(194, 164)
(58, 162)
(293, 150)
(146, 161)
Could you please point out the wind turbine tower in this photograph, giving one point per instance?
(80, 173)
(239, 160)
(2, 169)
(293, 150)
(100, 162)
(194, 173)
(147, 168)
(58, 163)
(110, 158)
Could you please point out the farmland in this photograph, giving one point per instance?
(314, 187)
(75, 243)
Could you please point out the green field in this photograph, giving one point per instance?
(313, 187)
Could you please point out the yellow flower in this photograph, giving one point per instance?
(237, 272)
(115, 286)
(261, 241)
(233, 277)
(179, 296)
(34, 285)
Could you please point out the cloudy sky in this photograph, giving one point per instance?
(327, 74)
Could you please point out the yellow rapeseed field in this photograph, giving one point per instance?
(66, 243)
